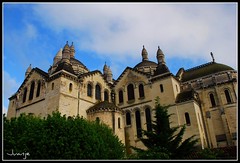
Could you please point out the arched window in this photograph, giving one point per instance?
(148, 119)
(38, 89)
(70, 87)
(106, 95)
(228, 97)
(89, 90)
(128, 118)
(138, 124)
(98, 92)
(130, 91)
(161, 88)
(212, 100)
(141, 90)
(31, 90)
(187, 118)
(120, 96)
(119, 122)
(52, 86)
(24, 95)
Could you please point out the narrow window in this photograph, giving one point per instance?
(38, 89)
(120, 95)
(31, 90)
(176, 88)
(98, 92)
(52, 86)
(106, 96)
(89, 90)
(128, 118)
(24, 95)
(227, 95)
(130, 90)
(70, 87)
(161, 87)
(141, 90)
(119, 122)
(212, 100)
(148, 119)
(187, 118)
(138, 124)
(98, 120)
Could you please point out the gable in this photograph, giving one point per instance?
(130, 75)
(95, 77)
(36, 74)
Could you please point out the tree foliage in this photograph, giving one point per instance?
(163, 141)
(59, 137)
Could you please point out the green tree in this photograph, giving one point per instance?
(59, 137)
(161, 141)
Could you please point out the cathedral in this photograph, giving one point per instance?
(204, 98)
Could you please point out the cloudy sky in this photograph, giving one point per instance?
(115, 33)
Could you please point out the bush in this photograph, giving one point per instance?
(59, 137)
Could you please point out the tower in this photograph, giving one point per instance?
(144, 54)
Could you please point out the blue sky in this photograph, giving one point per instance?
(115, 33)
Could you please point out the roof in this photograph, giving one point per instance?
(146, 63)
(64, 66)
(204, 70)
(185, 96)
(103, 106)
(161, 69)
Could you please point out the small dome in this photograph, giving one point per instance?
(66, 48)
(159, 51)
(144, 54)
(146, 63)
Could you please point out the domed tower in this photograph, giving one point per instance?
(72, 51)
(162, 67)
(58, 57)
(146, 66)
(66, 53)
(105, 69)
(144, 54)
(29, 69)
(160, 56)
(107, 73)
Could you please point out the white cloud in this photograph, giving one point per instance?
(189, 30)
(10, 86)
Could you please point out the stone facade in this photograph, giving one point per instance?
(204, 97)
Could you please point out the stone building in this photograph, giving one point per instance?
(203, 97)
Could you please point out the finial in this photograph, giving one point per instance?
(72, 43)
(143, 46)
(158, 47)
(212, 56)
(67, 42)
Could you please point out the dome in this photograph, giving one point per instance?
(146, 63)
(204, 70)
(103, 106)
(76, 62)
